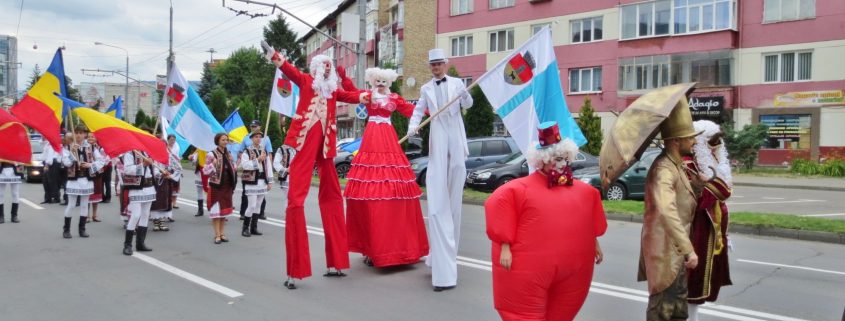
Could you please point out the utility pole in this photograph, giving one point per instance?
(170, 56)
(211, 51)
(362, 58)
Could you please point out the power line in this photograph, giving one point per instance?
(20, 14)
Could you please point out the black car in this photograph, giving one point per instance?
(493, 175)
(631, 184)
(482, 151)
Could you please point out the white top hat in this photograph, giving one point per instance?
(436, 55)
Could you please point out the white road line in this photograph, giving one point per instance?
(188, 276)
(792, 267)
(781, 202)
(31, 204)
(823, 215)
(773, 198)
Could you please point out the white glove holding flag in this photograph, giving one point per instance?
(269, 53)
(456, 106)
(413, 131)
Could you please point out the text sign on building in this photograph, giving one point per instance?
(810, 98)
(706, 106)
(785, 127)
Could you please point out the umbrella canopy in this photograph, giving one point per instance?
(635, 128)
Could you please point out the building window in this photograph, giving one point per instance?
(703, 15)
(536, 28)
(788, 131)
(467, 81)
(787, 67)
(586, 30)
(501, 40)
(585, 80)
(785, 10)
(496, 4)
(461, 46)
(646, 19)
(461, 7)
(649, 72)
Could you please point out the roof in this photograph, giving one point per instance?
(342, 6)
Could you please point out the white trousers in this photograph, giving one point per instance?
(16, 192)
(200, 193)
(139, 215)
(82, 208)
(253, 204)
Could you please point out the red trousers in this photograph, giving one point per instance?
(331, 208)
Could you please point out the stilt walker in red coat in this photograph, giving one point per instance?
(313, 134)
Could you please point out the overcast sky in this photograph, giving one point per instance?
(141, 27)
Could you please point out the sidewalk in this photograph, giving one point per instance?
(820, 183)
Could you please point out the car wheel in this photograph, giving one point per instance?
(503, 181)
(342, 169)
(421, 180)
(616, 192)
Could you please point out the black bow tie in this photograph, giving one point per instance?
(437, 82)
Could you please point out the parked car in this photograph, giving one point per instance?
(35, 170)
(630, 185)
(482, 151)
(493, 175)
(343, 160)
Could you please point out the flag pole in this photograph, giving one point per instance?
(267, 123)
(445, 107)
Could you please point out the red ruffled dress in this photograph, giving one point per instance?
(383, 215)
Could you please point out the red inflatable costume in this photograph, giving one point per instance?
(552, 232)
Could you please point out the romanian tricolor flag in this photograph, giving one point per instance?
(116, 108)
(117, 137)
(234, 126)
(14, 141)
(40, 108)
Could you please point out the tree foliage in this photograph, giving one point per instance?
(479, 119)
(279, 35)
(590, 125)
(206, 83)
(744, 145)
(33, 78)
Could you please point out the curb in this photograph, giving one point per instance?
(805, 187)
(812, 236)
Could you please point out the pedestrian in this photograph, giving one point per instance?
(95, 199)
(709, 227)
(266, 145)
(161, 211)
(137, 181)
(544, 228)
(174, 150)
(313, 134)
(10, 176)
(49, 180)
(67, 140)
(281, 163)
(446, 171)
(670, 201)
(82, 162)
(222, 179)
(257, 169)
(200, 182)
(383, 215)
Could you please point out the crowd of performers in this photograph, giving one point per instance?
(544, 227)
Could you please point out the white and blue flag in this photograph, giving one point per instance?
(188, 115)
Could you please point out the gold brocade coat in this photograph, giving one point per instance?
(670, 203)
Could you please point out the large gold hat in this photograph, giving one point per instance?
(679, 122)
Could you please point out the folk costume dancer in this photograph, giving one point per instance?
(709, 229)
(174, 150)
(313, 133)
(82, 162)
(670, 202)
(222, 179)
(200, 182)
(446, 171)
(281, 164)
(95, 199)
(52, 160)
(161, 211)
(137, 182)
(267, 146)
(11, 175)
(543, 260)
(257, 172)
(383, 215)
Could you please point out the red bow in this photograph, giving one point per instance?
(557, 178)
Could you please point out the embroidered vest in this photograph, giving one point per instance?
(137, 181)
(251, 177)
(17, 169)
(83, 154)
(215, 178)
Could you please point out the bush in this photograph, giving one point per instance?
(806, 167)
(834, 168)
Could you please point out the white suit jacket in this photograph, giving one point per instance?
(428, 102)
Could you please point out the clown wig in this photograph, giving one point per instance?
(374, 74)
(538, 158)
(322, 85)
(711, 156)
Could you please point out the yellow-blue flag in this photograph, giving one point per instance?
(234, 126)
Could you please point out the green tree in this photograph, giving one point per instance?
(479, 119)
(590, 125)
(744, 145)
(246, 77)
(140, 118)
(72, 92)
(33, 78)
(206, 83)
(217, 103)
(279, 35)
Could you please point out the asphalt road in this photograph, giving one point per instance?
(187, 277)
(813, 203)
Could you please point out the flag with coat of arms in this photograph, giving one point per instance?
(525, 91)
(187, 114)
(284, 96)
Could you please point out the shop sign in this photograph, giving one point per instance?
(706, 106)
(786, 127)
(810, 98)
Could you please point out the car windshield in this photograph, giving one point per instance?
(512, 159)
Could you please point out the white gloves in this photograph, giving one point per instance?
(269, 53)
(413, 131)
(463, 93)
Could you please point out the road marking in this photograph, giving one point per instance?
(792, 267)
(31, 204)
(188, 276)
(781, 202)
(823, 215)
(773, 198)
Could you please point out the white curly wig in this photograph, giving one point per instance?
(538, 158)
(715, 156)
(371, 74)
(322, 85)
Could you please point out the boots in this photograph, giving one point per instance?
(245, 229)
(2, 213)
(140, 237)
(66, 228)
(199, 208)
(82, 221)
(253, 226)
(127, 242)
(15, 213)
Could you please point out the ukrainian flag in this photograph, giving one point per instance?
(234, 126)
(40, 108)
(116, 108)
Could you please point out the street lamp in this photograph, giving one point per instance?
(126, 92)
